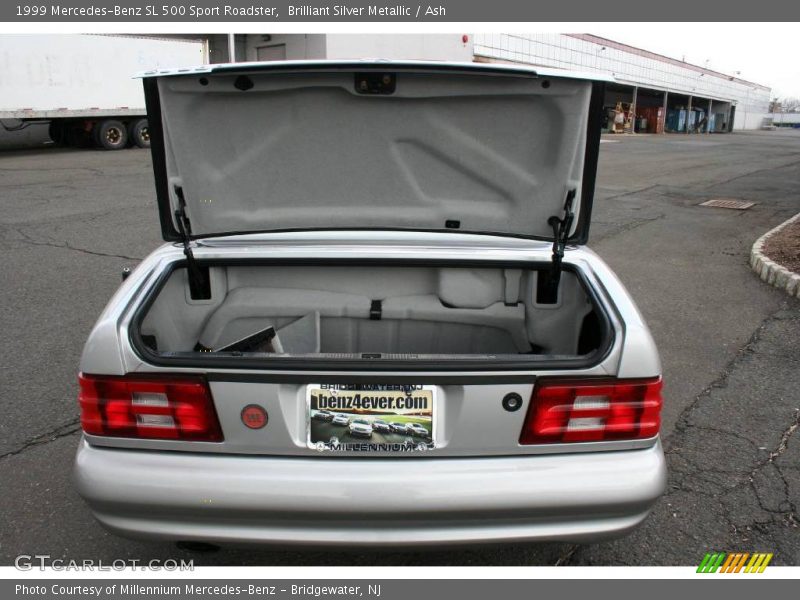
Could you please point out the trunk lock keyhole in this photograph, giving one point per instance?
(512, 402)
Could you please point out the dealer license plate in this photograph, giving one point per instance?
(371, 417)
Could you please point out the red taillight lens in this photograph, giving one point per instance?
(592, 410)
(171, 408)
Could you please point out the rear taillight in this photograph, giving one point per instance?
(169, 408)
(563, 411)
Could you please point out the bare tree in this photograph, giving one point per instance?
(786, 104)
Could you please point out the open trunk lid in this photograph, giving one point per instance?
(303, 145)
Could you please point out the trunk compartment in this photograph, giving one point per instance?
(372, 316)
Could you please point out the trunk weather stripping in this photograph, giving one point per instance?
(198, 282)
(348, 368)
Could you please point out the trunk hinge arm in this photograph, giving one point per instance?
(561, 227)
(196, 279)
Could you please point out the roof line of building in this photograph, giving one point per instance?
(589, 37)
(481, 58)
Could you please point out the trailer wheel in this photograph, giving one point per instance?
(139, 133)
(111, 135)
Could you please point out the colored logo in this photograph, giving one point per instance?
(254, 416)
(734, 562)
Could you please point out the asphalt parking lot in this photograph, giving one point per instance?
(730, 345)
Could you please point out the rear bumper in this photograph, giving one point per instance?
(354, 502)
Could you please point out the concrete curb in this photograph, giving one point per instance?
(769, 270)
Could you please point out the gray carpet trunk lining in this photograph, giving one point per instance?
(451, 311)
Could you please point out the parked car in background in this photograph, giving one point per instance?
(340, 420)
(398, 427)
(361, 428)
(381, 426)
(322, 415)
(417, 429)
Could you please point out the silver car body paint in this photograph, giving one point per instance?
(580, 491)
(478, 484)
(273, 500)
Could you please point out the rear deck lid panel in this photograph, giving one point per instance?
(303, 146)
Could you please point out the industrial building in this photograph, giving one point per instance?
(653, 93)
(78, 88)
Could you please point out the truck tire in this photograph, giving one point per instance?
(139, 133)
(110, 134)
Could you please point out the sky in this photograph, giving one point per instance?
(765, 53)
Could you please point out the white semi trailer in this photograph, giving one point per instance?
(83, 85)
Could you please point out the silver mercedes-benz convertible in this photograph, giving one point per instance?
(377, 242)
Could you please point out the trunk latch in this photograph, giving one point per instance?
(376, 310)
